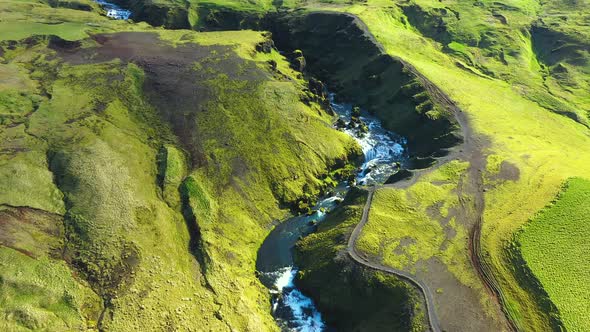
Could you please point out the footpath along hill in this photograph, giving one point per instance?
(144, 166)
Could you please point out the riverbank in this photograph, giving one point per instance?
(384, 153)
(185, 179)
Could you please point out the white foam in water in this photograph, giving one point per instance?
(285, 279)
(380, 148)
(306, 318)
(114, 11)
(330, 200)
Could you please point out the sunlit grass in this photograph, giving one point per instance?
(546, 147)
(555, 247)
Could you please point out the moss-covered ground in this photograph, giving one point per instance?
(519, 70)
(555, 248)
(161, 166)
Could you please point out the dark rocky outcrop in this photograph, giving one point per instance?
(164, 15)
(339, 51)
(214, 18)
(402, 174)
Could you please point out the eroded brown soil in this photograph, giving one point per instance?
(179, 79)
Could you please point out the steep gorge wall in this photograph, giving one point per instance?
(340, 51)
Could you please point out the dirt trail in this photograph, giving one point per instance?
(471, 150)
(361, 259)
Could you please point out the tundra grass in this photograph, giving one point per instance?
(555, 247)
(546, 147)
(42, 294)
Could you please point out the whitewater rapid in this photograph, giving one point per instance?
(114, 11)
(383, 151)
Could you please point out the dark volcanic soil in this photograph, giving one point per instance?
(173, 84)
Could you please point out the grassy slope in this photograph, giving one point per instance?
(128, 238)
(554, 245)
(520, 131)
(41, 294)
(488, 57)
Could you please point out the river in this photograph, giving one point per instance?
(384, 152)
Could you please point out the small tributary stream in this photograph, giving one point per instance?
(383, 151)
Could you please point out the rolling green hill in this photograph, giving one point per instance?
(140, 172)
(143, 162)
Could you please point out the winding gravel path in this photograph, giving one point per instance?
(429, 300)
(471, 150)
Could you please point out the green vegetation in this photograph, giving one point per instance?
(39, 291)
(357, 297)
(172, 171)
(23, 19)
(42, 294)
(160, 199)
(422, 214)
(554, 246)
(105, 145)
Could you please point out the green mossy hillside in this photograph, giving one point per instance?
(554, 249)
(352, 297)
(38, 289)
(541, 47)
(164, 164)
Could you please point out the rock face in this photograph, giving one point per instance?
(402, 174)
(298, 61)
(339, 51)
(266, 46)
(317, 87)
